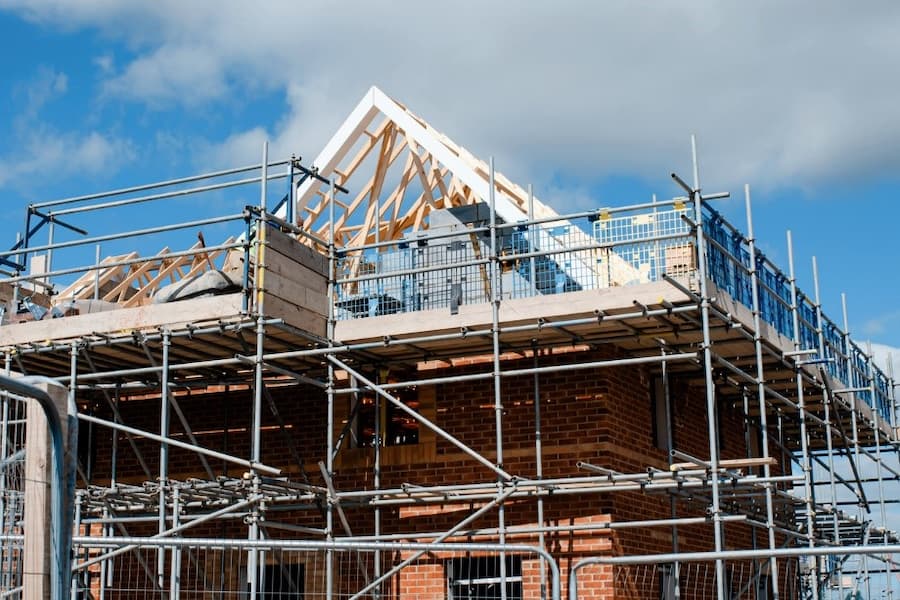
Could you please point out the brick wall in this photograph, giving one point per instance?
(599, 416)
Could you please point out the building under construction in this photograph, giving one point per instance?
(390, 372)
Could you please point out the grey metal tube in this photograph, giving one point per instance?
(162, 534)
(878, 460)
(148, 370)
(681, 477)
(496, 502)
(558, 492)
(612, 363)
(163, 455)
(848, 344)
(538, 451)
(424, 421)
(281, 371)
(417, 271)
(164, 195)
(892, 390)
(175, 560)
(537, 326)
(334, 546)
(329, 434)
(123, 263)
(532, 238)
(708, 372)
(71, 441)
(173, 442)
(864, 550)
(256, 425)
(76, 525)
(827, 400)
(128, 234)
(529, 530)
(536, 221)
(376, 474)
(771, 392)
(496, 293)
(150, 186)
(512, 257)
(801, 408)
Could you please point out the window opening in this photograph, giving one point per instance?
(282, 581)
(398, 428)
(478, 578)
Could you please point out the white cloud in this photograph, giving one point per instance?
(46, 85)
(69, 153)
(35, 145)
(186, 74)
(878, 324)
(779, 93)
(105, 63)
(301, 129)
(887, 357)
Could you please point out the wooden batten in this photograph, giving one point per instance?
(295, 285)
(294, 315)
(290, 248)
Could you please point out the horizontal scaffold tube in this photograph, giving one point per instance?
(183, 445)
(116, 236)
(164, 195)
(125, 263)
(153, 186)
(532, 489)
(681, 557)
(169, 532)
(337, 546)
(422, 420)
(525, 530)
(600, 364)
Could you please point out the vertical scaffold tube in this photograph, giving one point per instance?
(801, 414)
(854, 424)
(164, 418)
(329, 435)
(870, 375)
(5, 445)
(829, 443)
(539, 459)
(708, 375)
(376, 481)
(498, 400)
(761, 392)
(256, 429)
(175, 565)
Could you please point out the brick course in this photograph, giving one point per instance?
(600, 416)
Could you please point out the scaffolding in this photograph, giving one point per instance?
(666, 289)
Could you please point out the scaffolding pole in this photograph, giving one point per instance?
(805, 466)
(660, 337)
(761, 388)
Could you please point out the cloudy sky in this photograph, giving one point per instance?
(591, 102)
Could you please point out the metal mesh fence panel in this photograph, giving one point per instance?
(214, 572)
(12, 493)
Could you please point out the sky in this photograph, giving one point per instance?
(593, 103)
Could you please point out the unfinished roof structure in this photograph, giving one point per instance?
(400, 374)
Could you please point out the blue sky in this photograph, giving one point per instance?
(592, 103)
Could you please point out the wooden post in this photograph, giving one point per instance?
(38, 478)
